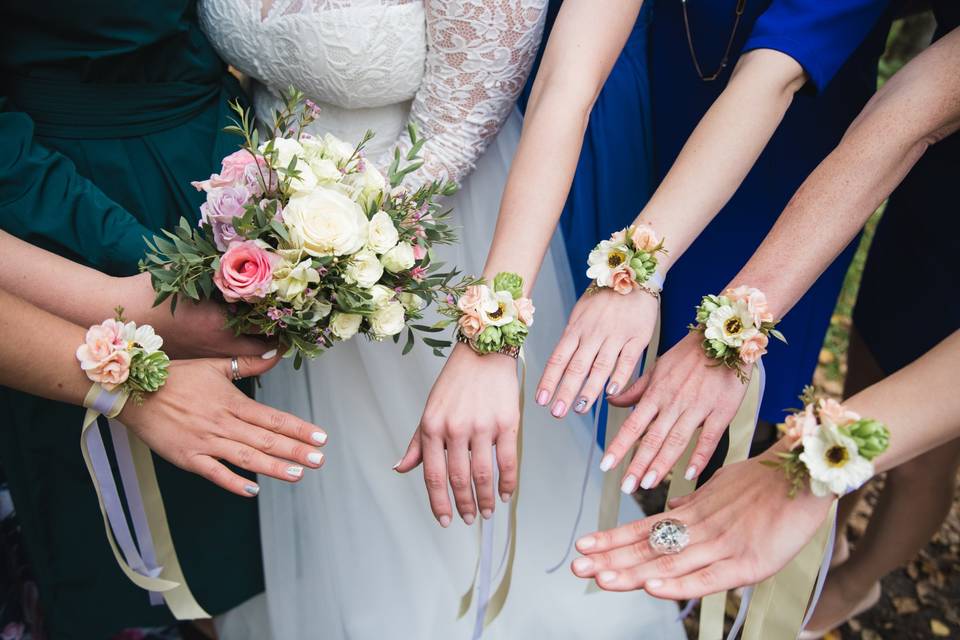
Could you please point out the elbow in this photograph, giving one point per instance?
(575, 95)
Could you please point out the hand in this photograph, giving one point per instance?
(606, 334)
(196, 330)
(684, 391)
(473, 406)
(199, 418)
(743, 528)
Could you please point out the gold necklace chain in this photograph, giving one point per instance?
(741, 4)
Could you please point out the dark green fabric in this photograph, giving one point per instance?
(107, 111)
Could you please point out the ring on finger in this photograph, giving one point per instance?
(235, 368)
(669, 536)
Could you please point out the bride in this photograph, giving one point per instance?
(354, 551)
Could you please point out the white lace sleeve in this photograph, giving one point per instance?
(479, 53)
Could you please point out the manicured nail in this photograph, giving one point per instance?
(607, 576)
(612, 389)
(648, 479)
(542, 397)
(487, 514)
(691, 473)
(444, 521)
(558, 408)
(583, 565)
(270, 355)
(654, 582)
(468, 518)
(294, 471)
(252, 489)
(586, 542)
(315, 457)
(319, 437)
(581, 405)
(394, 467)
(505, 497)
(607, 463)
(629, 484)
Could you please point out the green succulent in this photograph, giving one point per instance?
(872, 437)
(490, 340)
(514, 333)
(506, 281)
(148, 372)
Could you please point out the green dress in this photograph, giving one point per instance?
(107, 111)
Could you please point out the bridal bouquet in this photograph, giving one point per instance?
(307, 241)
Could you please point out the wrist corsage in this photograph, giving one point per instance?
(627, 261)
(493, 319)
(122, 357)
(831, 446)
(735, 327)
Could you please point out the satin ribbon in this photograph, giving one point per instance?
(152, 562)
(490, 606)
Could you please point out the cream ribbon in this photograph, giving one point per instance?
(166, 577)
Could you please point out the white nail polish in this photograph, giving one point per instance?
(270, 355)
(648, 479)
(487, 514)
(444, 521)
(691, 472)
(294, 471)
(607, 463)
(315, 457)
(252, 489)
(629, 484)
(319, 437)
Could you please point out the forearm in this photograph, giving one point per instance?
(722, 149)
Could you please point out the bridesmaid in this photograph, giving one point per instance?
(107, 111)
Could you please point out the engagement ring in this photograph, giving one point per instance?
(669, 536)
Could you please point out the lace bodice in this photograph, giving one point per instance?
(453, 67)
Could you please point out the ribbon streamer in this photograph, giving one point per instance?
(152, 562)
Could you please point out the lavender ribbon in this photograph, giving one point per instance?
(486, 569)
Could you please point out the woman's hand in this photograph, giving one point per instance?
(198, 418)
(605, 338)
(473, 406)
(684, 391)
(743, 528)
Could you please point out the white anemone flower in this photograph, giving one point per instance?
(834, 463)
(731, 324)
(497, 309)
(607, 257)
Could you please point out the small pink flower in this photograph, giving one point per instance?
(472, 298)
(418, 273)
(246, 272)
(525, 310)
(753, 347)
(618, 237)
(623, 281)
(110, 372)
(644, 238)
(101, 341)
(835, 412)
(756, 302)
(419, 252)
(470, 324)
(800, 425)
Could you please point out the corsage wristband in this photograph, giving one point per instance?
(493, 319)
(830, 446)
(736, 326)
(627, 261)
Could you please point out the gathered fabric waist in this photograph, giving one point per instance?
(84, 110)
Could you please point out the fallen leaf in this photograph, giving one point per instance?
(939, 629)
(905, 605)
(870, 634)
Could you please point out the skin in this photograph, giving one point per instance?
(194, 435)
(917, 107)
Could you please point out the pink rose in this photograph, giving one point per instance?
(753, 347)
(240, 168)
(644, 238)
(755, 300)
(110, 372)
(623, 281)
(246, 272)
(525, 310)
(472, 298)
(234, 166)
(101, 340)
(800, 425)
(835, 412)
(470, 324)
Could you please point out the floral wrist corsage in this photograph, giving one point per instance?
(627, 261)
(493, 319)
(120, 356)
(735, 327)
(831, 446)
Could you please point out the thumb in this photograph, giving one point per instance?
(412, 458)
(632, 394)
(249, 366)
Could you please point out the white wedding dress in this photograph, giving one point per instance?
(353, 551)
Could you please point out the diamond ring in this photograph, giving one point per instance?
(669, 536)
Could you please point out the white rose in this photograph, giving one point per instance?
(381, 295)
(383, 235)
(345, 325)
(336, 149)
(398, 259)
(325, 170)
(291, 280)
(388, 320)
(412, 302)
(324, 222)
(286, 149)
(364, 269)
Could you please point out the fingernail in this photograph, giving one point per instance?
(648, 479)
(607, 576)
(691, 473)
(315, 457)
(487, 514)
(542, 397)
(270, 355)
(444, 521)
(468, 518)
(586, 542)
(295, 471)
(319, 437)
(583, 564)
(607, 463)
(558, 408)
(252, 489)
(629, 484)
(505, 497)
(612, 389)
(654, 582)
(394, 467)
(581, 405)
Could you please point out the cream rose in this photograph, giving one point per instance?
(345, 325)
(326, 223)
(291, 280)
(336, 149)
(412, 302)
(380, 295)
(398, 259)
(644, 238)
(364, 269)
(388, 320)
(383, 235)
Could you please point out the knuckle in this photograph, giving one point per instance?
(244, 456)
(628, 359)
(431, 427)
(556, 359)
(267, 442)
(482, 476)
(602, 363)
(638, 529)
(299, 452)
(435, 481)
(666, 564)
(709, 437)
(458, 481)
(707, 578)
(676, 440)
(652, 440)
(632, 427)
(639, 550)
(277, 421)
(508, 465)
(577, 367)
